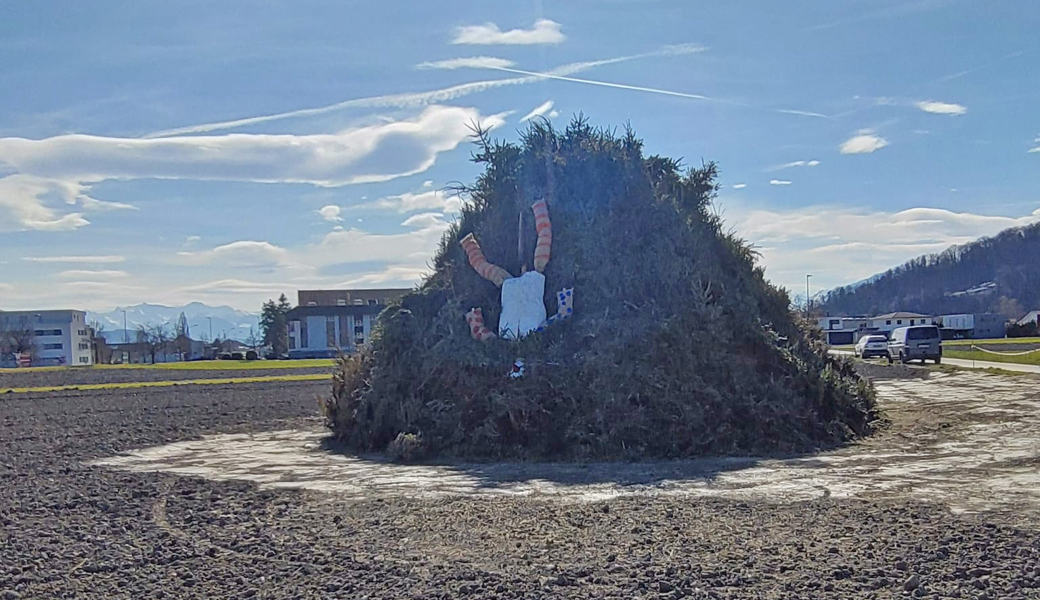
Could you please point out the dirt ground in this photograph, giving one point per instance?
(228, 492)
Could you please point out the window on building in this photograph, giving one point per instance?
(44, 332)
(303, 334)
(341, 301)
(52, 346)
(84, 359)
(372, 302)
(84, 346)
(330, 332)
(359, 302)
(899, 321)
(888, 322)
(344, 331)
(81, 332)
(312, 304)
(292, 343)
(359, 341)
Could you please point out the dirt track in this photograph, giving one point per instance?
(76, 531)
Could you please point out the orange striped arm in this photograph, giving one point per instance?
(475, 320)
(542, 224)
(485, 269)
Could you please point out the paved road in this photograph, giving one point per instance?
(973, 364)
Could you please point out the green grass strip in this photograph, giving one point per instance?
(993, 341)
(148, 384)
(199, 365)
(1023, 359)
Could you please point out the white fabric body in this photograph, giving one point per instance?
(523, 305)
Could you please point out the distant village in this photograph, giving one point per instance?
(848, 330)
(323, 324)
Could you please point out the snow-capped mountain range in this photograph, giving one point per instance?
(227, 322)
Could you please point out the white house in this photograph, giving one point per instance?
(887, 323)
(1032, 316)
(60, 337)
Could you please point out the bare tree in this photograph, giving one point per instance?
(98, 343)
(153, 338)
(254, 340)
(17, 337)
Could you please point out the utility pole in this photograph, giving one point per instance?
(125, 335)
(808, 298)
(210, 319)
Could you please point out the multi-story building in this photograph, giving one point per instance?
(328, 322)
(59, 337)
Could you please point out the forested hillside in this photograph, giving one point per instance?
(999, 274)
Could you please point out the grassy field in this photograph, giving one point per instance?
(148, 384)
(993, 342)
(1033, 358)
(205, 365)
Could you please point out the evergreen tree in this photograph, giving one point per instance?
(273, 324)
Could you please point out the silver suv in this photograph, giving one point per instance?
(921, 342)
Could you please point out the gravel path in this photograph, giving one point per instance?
(74, 531)
(84, 376)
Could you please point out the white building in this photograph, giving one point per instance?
(840, 331)
(60, 337)
(887, 323)
(325, 331)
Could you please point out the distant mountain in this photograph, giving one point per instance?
(227, 322)
(998, 274)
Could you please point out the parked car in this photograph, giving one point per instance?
(871, 345)
(921, 342)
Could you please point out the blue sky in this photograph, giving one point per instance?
(226, 152)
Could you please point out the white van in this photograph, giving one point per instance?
(920, 342)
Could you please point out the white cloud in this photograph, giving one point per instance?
(797, 163)
(441, 200)
(1037, 149)
(841, 245)
(739, 186)
(428, 183)
(419, 99)
(542, 109)
(362, 155)
(544, 31)
(779, 182)
(424, 220)
(234, 286)
(89, 274)
(191, 239)
(474, 62)
(22, 204)
(863, 142)
(941, 108)
(243, 254)
(92, 259)
(330, 213)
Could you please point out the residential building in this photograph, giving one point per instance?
(59, 337)
(1032, 316)
(887, 323)
(328, 322)
(840, 331)
(971, 326)
(349, 297)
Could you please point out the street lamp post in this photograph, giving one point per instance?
(808, 298)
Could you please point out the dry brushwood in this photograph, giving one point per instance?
(678, 346)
